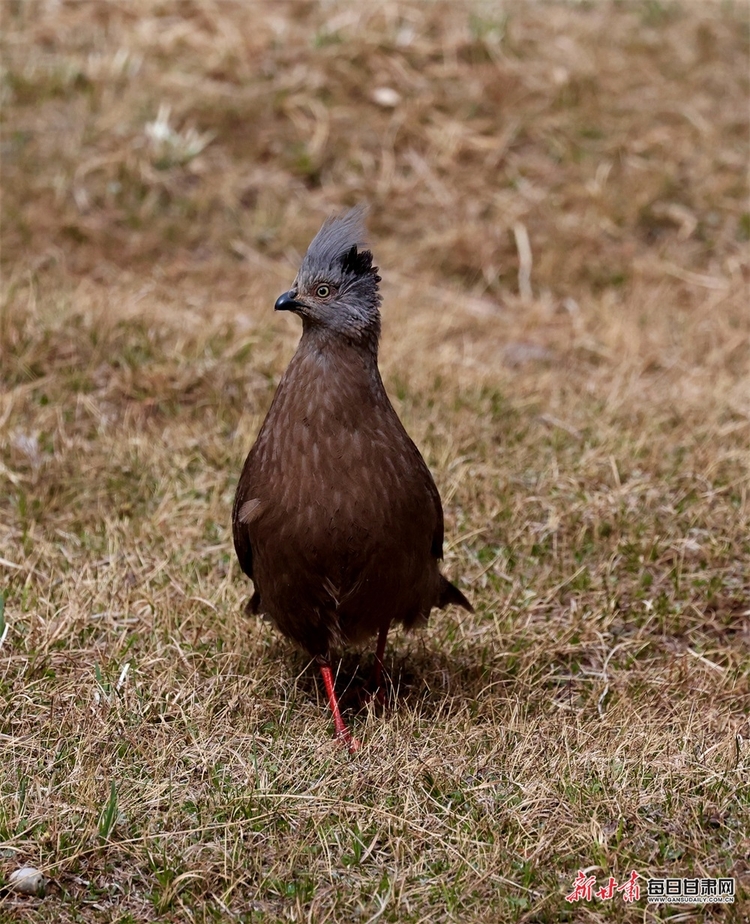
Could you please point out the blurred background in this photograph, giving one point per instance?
(207, 140)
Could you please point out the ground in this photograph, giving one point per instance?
(559, 206)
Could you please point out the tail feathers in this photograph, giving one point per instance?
(449, 593)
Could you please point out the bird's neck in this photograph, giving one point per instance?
(335, 376)
(360, 346)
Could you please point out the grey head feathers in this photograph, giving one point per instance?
(336, 289)
(335, 239)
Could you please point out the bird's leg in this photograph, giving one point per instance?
(378, 693)
(340, 730)
(373, 690)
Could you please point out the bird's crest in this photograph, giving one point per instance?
(335, 245)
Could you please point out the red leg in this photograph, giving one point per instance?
(340, 730)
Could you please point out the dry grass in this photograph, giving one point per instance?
(164, 756)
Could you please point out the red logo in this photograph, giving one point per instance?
(583, 888)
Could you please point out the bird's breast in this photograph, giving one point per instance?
(333, 468)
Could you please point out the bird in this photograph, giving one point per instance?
(336, 516)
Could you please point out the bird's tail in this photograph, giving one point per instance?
(449, 593)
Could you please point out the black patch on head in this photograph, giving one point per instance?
(355, 263)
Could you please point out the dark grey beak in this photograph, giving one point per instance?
(286, 302)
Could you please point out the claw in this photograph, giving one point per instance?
(352, 744)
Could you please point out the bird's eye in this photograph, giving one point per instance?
(323, 291)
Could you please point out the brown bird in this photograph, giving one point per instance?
(337, 519)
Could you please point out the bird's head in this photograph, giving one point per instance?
(336, 289)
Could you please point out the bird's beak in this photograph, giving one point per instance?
(287, 302)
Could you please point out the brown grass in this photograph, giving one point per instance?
(588, 423)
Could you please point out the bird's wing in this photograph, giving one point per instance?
(241, 538)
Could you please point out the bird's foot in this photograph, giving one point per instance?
(347, 739)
